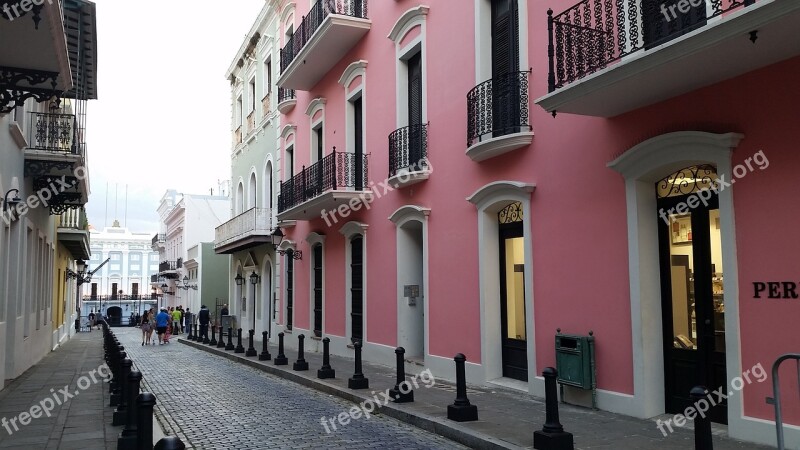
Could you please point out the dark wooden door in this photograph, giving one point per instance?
(415, 111)
(358, 140)
(505, 67)
(357, 288)
(317, 290)
(289, 290)
(662, 21)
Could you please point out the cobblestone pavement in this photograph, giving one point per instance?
(213, 403)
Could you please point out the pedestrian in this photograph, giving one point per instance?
(145, 325)
(168, 334)
(224, 311)
(204, 317)
(182, 322)
(91, 320)
(162, 322)
(176, 321)
(152, 318)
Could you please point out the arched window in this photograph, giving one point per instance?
(239, 199)
(268, 186)
(251, 200)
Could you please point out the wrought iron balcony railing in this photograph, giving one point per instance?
(154, 278)
(285, 94)
(251, 222)
(498, 107)
(310, 23)
(179, 263)
(595, 33)
(408, 147)
(336, 171)
(167, 266)
(54, 133)
(159, 239)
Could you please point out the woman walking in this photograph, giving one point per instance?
(152, 317)
(145, 324)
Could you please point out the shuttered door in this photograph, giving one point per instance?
(358, 139)
(505, 64)
(318, 290)
(357, 288)
(414, 111)
(289, 290)
(661, 24)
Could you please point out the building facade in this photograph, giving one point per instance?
(47, 77)
(594, 191)
(187, 221)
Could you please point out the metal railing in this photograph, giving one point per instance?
(498, 107)
(408, 147)
(54, 133)
(159, 239)
(167, 265)
(74, 218)
(155, 278)
(776, 394)
(595, 33)
(311, 22)
(254, 221)
(333, 172)
(285, 94)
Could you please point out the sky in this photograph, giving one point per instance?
(162, 118)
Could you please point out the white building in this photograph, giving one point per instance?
(186, 222)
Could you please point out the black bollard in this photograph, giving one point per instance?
(301, 363)
(116, 351)
(239, 346)
(221, 342)
(281, 359)
(251, 351)
(264, 356)
(170, 443)
(144, 420)
(121, 414)
(117, 387)
(230, 340)
(358, 380)
(326, 371)
(213, 340)
(461, 410)
(204, 334)
(197, 336)
(402, 392)
(552, 436)
(127, 439)
(702, 425)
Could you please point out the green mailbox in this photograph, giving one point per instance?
(575, 362)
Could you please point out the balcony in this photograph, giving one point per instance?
(497, 116)
(249, 229)
(158, 241)
(73, 232)
(408, 155)
(325, 35)
(168, 269)
(155, 278)
(604, 64)
(286, 100)
(324, 186)
(56, 151)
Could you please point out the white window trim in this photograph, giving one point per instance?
(354, 70)
(251, 201)
(314, 239)
(349, 231)
(318, 104)
(483, 38)
(409, 20)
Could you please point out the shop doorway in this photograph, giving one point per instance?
(693, 309)
(512, 293)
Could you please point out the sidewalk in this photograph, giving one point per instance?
(508, 418)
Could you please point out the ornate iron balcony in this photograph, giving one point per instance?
(311, 22)
(166, 266)
(285, 94)
(408, 147)
(336, 171)
(159, 239)
(595, 33)
(498, 107)
(54, 133)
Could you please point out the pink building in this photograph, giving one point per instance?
(434, 202)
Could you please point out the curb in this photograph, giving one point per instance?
(437, 425)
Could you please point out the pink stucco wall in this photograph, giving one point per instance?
(578, 223)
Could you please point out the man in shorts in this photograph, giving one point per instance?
(162, 320)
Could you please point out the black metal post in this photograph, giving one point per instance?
(251, 350)
(144, 420)
(552, 435)
(239, 346)
(326, 371)
(170, 443)
(204, 334)
(197, 336)
(213, 340)
(230, 345)
(702, 424)
(121, 414)
(127, 439)
(190, 336)
(116, 392)
(301, 363)
(221, 342)
(264, 356)
(461, 410)
(402, 392)
(358, 380)
(281, 359)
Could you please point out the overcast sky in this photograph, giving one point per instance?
(162, 120)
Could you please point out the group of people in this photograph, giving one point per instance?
(165, 323)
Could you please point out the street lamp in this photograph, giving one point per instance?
(254, 279)
(277, 238)
(81, 277)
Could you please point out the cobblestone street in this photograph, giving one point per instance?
(213, 403)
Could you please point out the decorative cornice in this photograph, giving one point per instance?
(408, 17)
(353, 70)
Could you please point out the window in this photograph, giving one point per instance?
(289, 162)
(267, 77)
(135, 267)
(135, 257)
(237, 119)
(115, 267)
(115, 256)
(317, 288)
(251, 92)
